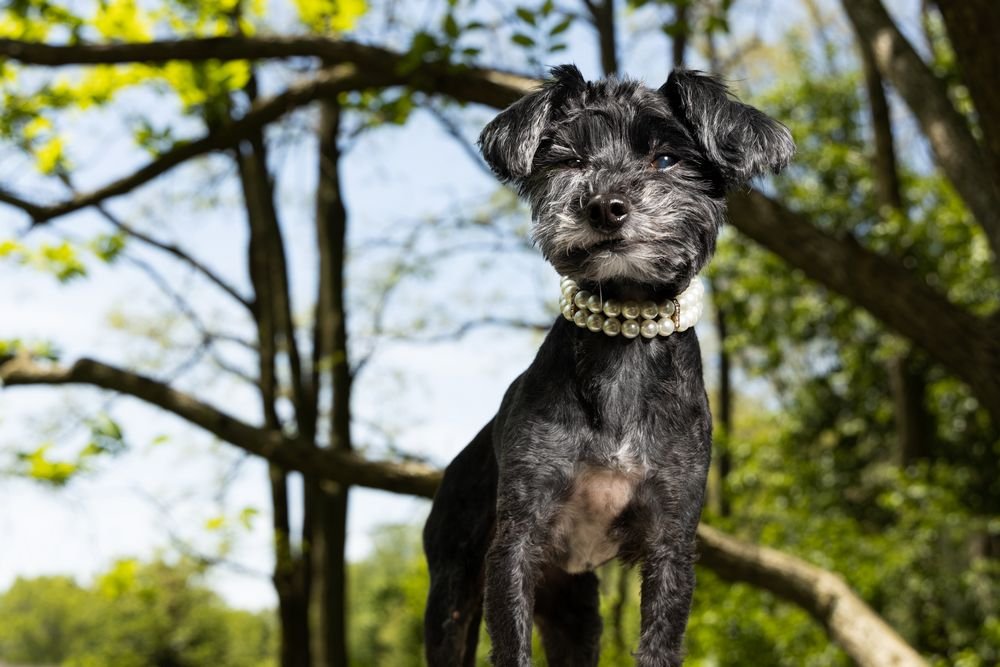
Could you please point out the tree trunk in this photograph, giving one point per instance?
(914, 426)
(973, 27)
(958, 154)
(329, 580)
(906, 379)
(724, 421)
(287, 575)
(602, 13)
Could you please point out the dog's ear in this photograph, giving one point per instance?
(509, 141)
(741, 140)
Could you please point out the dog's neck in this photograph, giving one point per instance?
(648, 314)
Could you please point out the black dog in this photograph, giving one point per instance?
(602, 446)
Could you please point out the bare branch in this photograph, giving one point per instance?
(467, 327)
(177, 252)
(453, 130)
(11, 199)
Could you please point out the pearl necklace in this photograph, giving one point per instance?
(648, 318)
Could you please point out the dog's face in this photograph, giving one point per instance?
(627, 184)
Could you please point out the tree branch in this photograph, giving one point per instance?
(360, 67)
(958, 154)
(343, 467)
(176, 251)
(851, 623)
(846, 618)
(379, 66)
(329, 83)
(967, 345)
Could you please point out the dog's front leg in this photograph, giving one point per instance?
(672, 509)
(513, 566)
(667, 588)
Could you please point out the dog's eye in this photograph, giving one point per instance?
(664, 162)
(573, 163)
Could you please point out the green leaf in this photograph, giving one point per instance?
(38, 466)
(561, 27)
(215, 524)
(525, 15)
(50, 156)
(333, 16)
(451, 27)
(523, 40)
(108, 247)
(247, 515)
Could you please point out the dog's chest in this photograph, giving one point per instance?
(584, 534)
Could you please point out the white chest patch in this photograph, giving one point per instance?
(582, 529)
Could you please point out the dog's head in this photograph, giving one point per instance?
(627, 183)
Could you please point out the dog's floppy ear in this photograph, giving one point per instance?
(741, 140)
(509, 141)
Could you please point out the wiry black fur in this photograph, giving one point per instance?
(594, 413)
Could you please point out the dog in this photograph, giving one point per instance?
(601, 448)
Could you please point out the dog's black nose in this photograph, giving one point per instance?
(607, 213)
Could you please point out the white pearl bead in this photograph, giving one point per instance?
(587, 310)
(648, 310)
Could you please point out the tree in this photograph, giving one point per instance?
(134, 614)
(213, 57)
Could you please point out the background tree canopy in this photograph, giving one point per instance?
(268, 221)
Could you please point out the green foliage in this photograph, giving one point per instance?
(821, 476)
(106, 440)
(135, 614)
(539, 30)
(387, 593)
(64, 260)
(38, 350)
(330, 16)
